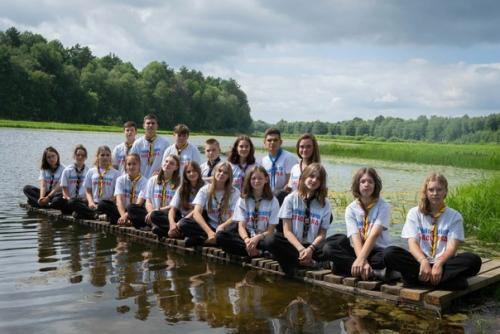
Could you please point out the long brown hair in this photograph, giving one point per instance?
(315, 157)
(228, 186)
(100, 149)
(423, 204)
(45, 164)
(234, 157)
(319, 193)
(357, 177)
(176, 176)
(186, 187)
(247, 190)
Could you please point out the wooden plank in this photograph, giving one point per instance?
(414, 294)
(318, 274)
(392, 289)
(256, 260)
(369, 285)
(350, 281)
(441, 297)
(490, 265)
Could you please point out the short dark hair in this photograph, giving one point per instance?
(130, 124)
(357, 177)
(212, 141)
(272, 131)
(181, 129)
(151, 116)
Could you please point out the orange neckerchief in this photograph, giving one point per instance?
(100, 182)
(151, 152)
(132, 188)
(434, 240)
(366, 224)
(164, 184)
(179, 150)
(128, 147)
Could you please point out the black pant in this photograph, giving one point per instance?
(137, 215)
(339, 250)
(161, 225)
(33, 195)
(455, 270)
(230, 241)
(286, 254)
(82, 209)
(66, 206)
(194, 234)
(110, 209)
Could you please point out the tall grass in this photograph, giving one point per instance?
(480, 207)
(466, 156)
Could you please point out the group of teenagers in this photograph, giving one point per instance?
(276, 207)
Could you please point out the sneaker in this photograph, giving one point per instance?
(102, 217)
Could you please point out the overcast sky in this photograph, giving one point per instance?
(300, 60)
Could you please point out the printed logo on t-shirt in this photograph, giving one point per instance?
(298, 215)
(426, 234)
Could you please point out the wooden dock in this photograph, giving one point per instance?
(436, 300)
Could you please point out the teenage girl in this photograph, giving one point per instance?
(434, 232)
(99, 187)
(129, 188)
(367, 220)
(159, 191)
(242, 158)
(256, 213)
(306, 216)
(72, 181)
(181, 204)
(308, 152)
(50, 174)
(213, 207)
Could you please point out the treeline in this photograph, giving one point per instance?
(483, 129)
(42, 80)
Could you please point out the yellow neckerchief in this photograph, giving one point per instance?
(366, 224)
(164, 184)
(100, 183)
(132, 188)
(179, 150)
(151, 152)
(434, 239)
(128, 147)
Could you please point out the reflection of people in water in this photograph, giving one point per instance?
(246, 296)
(298, 316)
(353, 324)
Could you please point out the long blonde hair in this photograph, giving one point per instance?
(176, 175)
(319, 193)
(423, 204)
(228, 186)
(103, 148)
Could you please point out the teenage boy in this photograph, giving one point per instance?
(278, 163)
(212, 153)
(182, 148)
(150, 147)
(120, 151)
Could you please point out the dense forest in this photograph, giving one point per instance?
(483, 129)
(42, 80)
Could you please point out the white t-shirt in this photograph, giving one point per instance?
(141, 147)
(239, 174)
(205, 168)
(380, 214)
(419, 226)
(153, 192)
(50, 179)
(293, 182)
(109, 181)
(124, 185)
(267, 214)
(213, 215)
(293, 208)
(190, 153)
(69, 179)
(283, 165)
(176, 202)
(118, 157)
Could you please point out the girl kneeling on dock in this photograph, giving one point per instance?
(306, 216)
(367, 221)
(257, 216)
(213, 207)
(99, 187)
(159, 191)
(434, 232)
(72, 182)
(50, 174)
(129, 189)
(181, 206)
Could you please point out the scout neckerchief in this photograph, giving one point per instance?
(79, 174)
(219, 207)
(151, 152)
(307, 217)
(133, 183)
(51, 181)
(254, 218)
(128, 147)
(211, 165)
(100, 183)
(434, 239)
(273, 167)
(164, 184)
(180, 149)
(366, 223)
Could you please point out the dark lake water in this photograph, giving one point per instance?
(64, 278)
